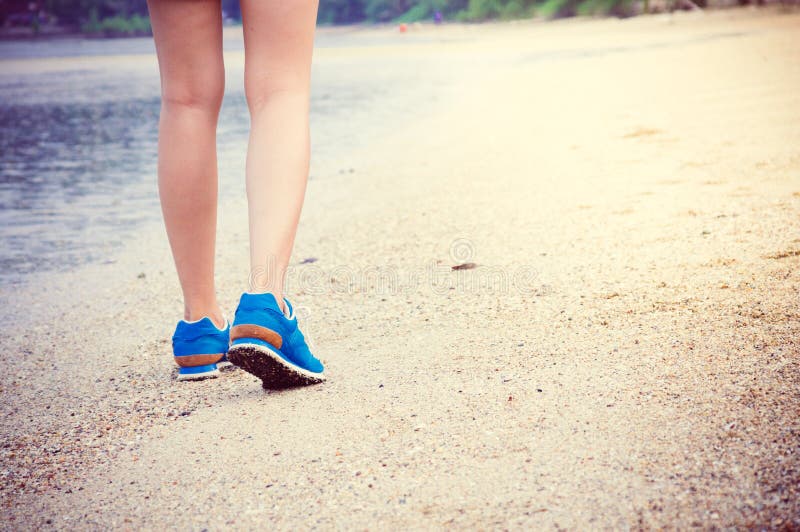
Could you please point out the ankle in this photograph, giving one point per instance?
(275, 293)
(214, 313)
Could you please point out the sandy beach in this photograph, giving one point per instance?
(624, 354)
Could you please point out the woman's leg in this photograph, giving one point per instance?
(279, 38)
(188, 36)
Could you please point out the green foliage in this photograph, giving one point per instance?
(556, 8)
(513, 10)
(340, 11)
(421, 11)
(451, 8)
(424, 9)
(479, 10)
(386, 10)
(128, 17)
(78, 12)
(118, 26)
(594, 7)
(568, 8)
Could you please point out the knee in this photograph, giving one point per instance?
(202, 93)
(264, 88)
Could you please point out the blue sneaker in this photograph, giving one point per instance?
(199, 347)
(268, 344)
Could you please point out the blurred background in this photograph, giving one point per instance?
(129, 17)
(78, 125)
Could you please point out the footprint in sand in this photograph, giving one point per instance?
(642, 132)
(784, 254)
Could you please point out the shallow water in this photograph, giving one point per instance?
(78, 133)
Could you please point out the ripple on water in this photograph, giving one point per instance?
(78, 141)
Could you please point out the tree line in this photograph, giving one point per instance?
(130, 16)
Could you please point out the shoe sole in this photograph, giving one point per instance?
(269, 366)
(212, 374)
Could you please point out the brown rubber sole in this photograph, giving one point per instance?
(275, 372)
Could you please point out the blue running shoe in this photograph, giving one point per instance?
(199, 347)
(268, 344)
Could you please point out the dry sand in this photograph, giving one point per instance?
(624, 355)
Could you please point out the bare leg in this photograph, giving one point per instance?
(188, 36)
(279, 38)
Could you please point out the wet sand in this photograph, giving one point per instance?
(625, 353)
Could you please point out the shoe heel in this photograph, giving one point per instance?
(249, 333)
(196, 373)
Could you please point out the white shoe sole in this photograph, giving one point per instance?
(198, 376)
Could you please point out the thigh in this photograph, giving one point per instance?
(278, 39)
(188, 37)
